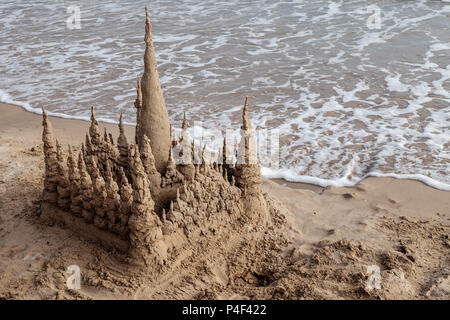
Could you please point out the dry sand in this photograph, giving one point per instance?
(320, 250)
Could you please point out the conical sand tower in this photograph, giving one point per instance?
(153, 117)
(136, 198)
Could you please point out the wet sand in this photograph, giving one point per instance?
(333, 235)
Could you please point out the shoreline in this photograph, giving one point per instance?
(26, 113)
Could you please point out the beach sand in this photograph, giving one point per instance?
(332, 236)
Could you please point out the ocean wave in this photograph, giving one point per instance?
(291, 176)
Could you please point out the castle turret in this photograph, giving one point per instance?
(248, 171)
(122, 145)
(111, 140)
(88, 153)
(138, 106)
(172, 176)
(113, 200)
(224, 151)
(87, 191)
(153, 118)
(183, 152)
(185, 123)
(148, 160)
(63, 179)
(100, 199)
(51, 161)
(76, 199)
(126, 201)
(247, 148)
(94, 130)
(87, 145)
(144, 224)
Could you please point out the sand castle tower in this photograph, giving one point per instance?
(153, 118)
(136, 198)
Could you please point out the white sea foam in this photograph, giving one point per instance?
(290, 175)
(394, 84)
(6, 98)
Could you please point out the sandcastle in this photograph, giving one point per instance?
(134, 197)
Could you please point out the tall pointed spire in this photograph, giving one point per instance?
(246, 153)
(86, 191)
(51, 162)
(63, 179)
(248, 171)
(154, 119)
(172, 175)
(183, 152)
(47, 137)
(87, 143)
(224, 150)
(170, 160)
(94, 130)
(148, 161)
(246, 125)
(47, 134)
(122, 144)
(185, 123)
(126, 200)
(137, 166)
(122, 138)
(99, 186)
(113, 200)
(74, 186)
(138, 94)
(138, 106)
(173, 138)
(204, 165)
(111, 140)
